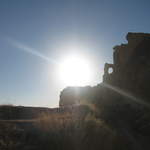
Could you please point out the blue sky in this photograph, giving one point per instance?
(48, 26)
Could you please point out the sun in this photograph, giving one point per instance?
(75, 70)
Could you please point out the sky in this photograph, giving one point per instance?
(36, 34)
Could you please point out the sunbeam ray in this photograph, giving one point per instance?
(30, 50)
(126, 94)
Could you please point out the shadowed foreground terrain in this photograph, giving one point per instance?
(119, 126)
(114, 115)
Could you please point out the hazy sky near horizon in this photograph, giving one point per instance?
(53, 28)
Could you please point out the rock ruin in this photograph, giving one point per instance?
(131, 66)
(130, 71)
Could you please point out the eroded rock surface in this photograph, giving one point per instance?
(130, 72)
(131, 66)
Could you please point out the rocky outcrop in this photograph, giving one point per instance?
(131, 66)
(130, 72)
(74, 95)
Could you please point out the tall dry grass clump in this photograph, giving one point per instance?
(72, 131)
(56, 121)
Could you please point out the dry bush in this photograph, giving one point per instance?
(72, 132)
(55, 121)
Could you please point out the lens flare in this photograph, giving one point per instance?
(126, 94)
(75, 70)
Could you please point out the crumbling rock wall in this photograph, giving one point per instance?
(131, 73)
(74, 95)
(131, 66)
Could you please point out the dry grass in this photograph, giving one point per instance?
(74, 129)
(75, 132)
(56, 121)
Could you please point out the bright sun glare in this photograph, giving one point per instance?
(75, 70)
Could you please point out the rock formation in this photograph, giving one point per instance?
(131, 66)
(130, 72)
(74, 95)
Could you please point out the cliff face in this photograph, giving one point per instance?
(130, 72)
(131, 66)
